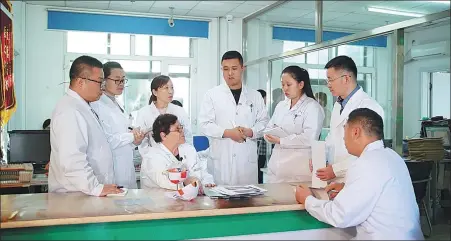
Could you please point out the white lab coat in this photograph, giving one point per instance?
(146, 117)
(232, 163)
(153, 166)
(115, 125)
(337, 154)
(81, 158)
(289, 161)
(378, 198)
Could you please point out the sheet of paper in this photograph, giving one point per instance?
(122, 194)
(276, 131)
(318, 161)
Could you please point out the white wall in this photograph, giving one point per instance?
(41, 62)
(412, 74)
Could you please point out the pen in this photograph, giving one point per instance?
(119, 186)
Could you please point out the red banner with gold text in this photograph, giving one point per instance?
(7, 96)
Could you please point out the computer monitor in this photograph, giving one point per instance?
(29, 146)
(439, 132)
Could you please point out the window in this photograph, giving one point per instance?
(171, 46)
(119, 44)
(290, 45)
(317, 57)
(87, 42)
(142, 45)
(355, 52)
(180, 76)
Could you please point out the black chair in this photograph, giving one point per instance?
(420, 173)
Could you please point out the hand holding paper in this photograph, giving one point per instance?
(318, 161)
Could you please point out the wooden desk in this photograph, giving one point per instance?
(148, 214)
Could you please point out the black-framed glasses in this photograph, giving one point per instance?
(98, 82)
(119, 81)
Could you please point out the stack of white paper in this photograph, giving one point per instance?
(234, 191)
(276, 131)
(318, 161)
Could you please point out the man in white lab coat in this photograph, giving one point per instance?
(80, 159)
(378, 197)
(233, 117)
(342, 82)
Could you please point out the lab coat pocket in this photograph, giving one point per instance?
(252, 151)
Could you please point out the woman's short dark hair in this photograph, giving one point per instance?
(108, 66)
(157, 83)
(163, 124)
(176, 102)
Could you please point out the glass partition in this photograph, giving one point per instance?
(374, 76)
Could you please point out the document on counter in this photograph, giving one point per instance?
(122, 194)
(276, 131)
(318, 161)
(225, 192)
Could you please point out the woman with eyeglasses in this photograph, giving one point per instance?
(170, 150)
(160, 103)
(115, 124)
(301, 117)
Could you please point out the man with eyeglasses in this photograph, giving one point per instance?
(342, 83)
(81, 159)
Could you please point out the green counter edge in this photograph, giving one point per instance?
(173, 229)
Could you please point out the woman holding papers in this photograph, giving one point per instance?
(170, 151)
(295, 123)
(160, 103)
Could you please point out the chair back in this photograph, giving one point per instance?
(200, 143)
(420, 173)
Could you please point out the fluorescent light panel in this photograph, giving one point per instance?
(444, 2)
(394, 12)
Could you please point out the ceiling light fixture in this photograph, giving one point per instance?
(444, 2)
(394, 12)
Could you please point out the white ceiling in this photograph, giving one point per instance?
(337, 14)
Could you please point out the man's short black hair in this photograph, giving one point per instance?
(262, 92)
(343, 62)
(81, 64)
(371, 122)
(233, 55)
(46, 124)
(163, 124)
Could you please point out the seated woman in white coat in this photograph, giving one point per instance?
(170, 149)
(160, 103)
(301, 117)
(115, 124)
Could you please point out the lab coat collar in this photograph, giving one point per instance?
(167, 152)
(373, 146)
(84, 103)
(350, 106)
(243, 95)
(299, 103)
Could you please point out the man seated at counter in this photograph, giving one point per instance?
(172, 150)
(80, 154)
(378, 196)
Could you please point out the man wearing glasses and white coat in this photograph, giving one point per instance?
(342, 82)
(233, 117)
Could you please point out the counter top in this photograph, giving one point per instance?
(48, 209)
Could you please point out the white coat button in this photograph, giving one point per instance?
(234, 155)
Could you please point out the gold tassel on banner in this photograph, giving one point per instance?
(7, 94)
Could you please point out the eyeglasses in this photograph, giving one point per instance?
(330, 81)
(98, 82)
(179, 129)
(119, 81)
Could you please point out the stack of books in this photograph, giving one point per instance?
(228, 192)
(426, 149)
(12, 175)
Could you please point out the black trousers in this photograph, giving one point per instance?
(261, 164)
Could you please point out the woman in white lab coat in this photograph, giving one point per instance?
(115, 124)
(170, 150)
(301, 117)
(160, 103)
